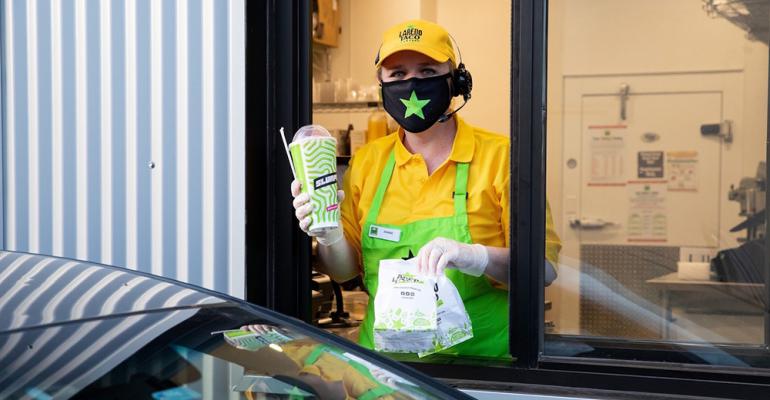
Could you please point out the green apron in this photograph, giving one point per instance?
(486, 306)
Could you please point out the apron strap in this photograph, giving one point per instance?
(382, 187)
(461, 190)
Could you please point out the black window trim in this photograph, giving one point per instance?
(527, 181)
(278, 77)
(278, 94)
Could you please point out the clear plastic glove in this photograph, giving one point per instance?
(441, 253)
(302, 209)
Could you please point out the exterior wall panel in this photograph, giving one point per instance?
(122, 130)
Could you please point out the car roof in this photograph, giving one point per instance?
(94, 316)
(37, 290)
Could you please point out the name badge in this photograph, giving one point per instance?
(381, 232)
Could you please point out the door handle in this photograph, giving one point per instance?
(723, 130)
(624, 89)
(588, 223)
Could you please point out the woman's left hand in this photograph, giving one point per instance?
(441, 253)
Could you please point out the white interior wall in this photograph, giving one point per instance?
(483, 33)
(369, 19)
(755, 75)
(611, 37)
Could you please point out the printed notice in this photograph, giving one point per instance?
(682, 169)
(650, 164)
(607, 147)
(647, 221)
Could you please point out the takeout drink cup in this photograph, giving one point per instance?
(313, 153)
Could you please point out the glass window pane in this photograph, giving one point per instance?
(223, 352)
(656, 173)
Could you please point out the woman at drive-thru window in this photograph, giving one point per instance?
(437, 189)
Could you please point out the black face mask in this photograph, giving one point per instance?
(417, 103)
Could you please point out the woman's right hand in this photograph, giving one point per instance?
(302, 210)
(302, 206)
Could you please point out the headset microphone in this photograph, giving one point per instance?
(445, 117)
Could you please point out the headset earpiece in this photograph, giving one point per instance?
(462, 82)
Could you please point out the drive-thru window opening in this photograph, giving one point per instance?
(630, 309)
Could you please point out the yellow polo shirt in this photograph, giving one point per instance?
(414, 195)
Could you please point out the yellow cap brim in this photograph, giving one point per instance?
(428, 51)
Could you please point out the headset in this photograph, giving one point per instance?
(462, 83)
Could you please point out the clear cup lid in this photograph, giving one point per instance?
(309, 131)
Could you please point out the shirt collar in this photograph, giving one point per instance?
(462, 148)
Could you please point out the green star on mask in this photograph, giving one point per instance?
(414, 106)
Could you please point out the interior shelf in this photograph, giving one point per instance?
(351, 106)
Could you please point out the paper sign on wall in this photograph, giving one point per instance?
(682, 169)
(607, 147)
(650, 164)
(647, 219)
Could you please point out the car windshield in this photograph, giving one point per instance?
(215, 352)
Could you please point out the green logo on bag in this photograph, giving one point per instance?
(406, 278)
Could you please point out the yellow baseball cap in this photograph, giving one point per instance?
(417, 35)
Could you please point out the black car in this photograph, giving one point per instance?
(71, 329)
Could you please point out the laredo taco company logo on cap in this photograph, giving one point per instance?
(410, 34)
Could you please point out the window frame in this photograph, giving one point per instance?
(528, 118)
(617, 353)
(278, 94)
(278, 77)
